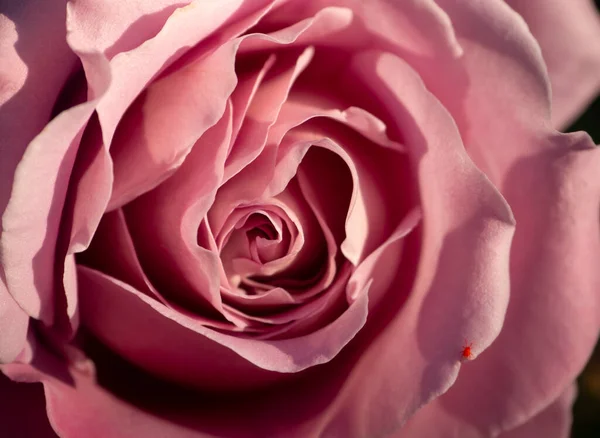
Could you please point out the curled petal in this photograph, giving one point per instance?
(569, 35)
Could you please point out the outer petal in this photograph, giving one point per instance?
(551, 182)
(552, 422)
(36, 61)
(569, 35)
(187, 27)
(131, 23)
(467, 293)
(13, 326)
(76, 406)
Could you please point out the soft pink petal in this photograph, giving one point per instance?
(87, 196)
(13, 326)
(569, 35)
(552, 185)
(263, 111)
(553, 422)
(22, 410)
(164, 223)
(31, 220)
(378, 173)
(144, 331)
(466, 234)
(435, 420)
(419, 27)
(112, 27)
(161, 127)
(185, 28)
(244, 178)
(36, 62)
(76, 406)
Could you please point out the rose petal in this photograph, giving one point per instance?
(160, 129)
(374, 209)
(553, 422)
(36, 62)
(434, 420)
(114, 325)
(164, 226)
(263, 111)
(31, 220)
(185, 28)
(548, 180)
(13, 326)
(31, 78)
(466, 235)
(131, 23)
(243, 180)
(420, 27)
(569, 35)
(99, 413)
(113, 237)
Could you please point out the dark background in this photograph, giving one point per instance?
(586, 411)
(586, 419)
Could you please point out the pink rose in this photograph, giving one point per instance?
(259, 218)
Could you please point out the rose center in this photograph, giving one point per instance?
(257, 243)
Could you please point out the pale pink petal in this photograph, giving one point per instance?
(263, 111)
(76, 406)
(466, 234)
(323, 26)
(13, 326)
(380, 174)
(164, 223)
(22, 410)
(569, 35)
(553, 422)
(112, 27)
(552, 184)
(187, 27)
(36, 62)
(89, 189)
(245, 177)
(163, 124)
(435, 420)
(147, 332)
(419, 27)
(248, 84)
(31, 220)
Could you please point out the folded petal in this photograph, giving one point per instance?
(553, 187)
(552, 422)
(31, 220)
(131, 23)
(467, 228)
(569, 36)
(68, 391)
(162, 126)
(187, 27)
(13, 326)
(36, 62)
(242, 360)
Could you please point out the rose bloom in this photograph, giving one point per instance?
(303, 218)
